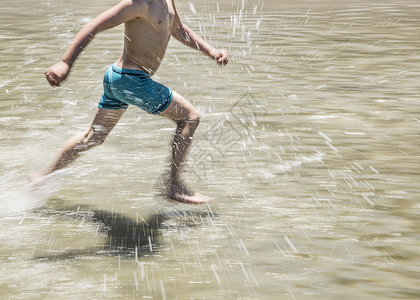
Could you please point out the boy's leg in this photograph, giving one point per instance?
(187, 119)
(103, 122)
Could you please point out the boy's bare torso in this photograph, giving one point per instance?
(146, 37)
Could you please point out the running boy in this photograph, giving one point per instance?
(149, 24)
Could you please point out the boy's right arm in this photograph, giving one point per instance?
(123, 12)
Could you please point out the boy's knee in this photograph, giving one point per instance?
(192, 119)
(195, 118)
(92, 138)
(96, 140)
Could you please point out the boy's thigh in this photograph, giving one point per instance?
(105, 119)
(179, 108)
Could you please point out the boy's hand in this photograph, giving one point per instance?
(220, 55)
(57, 73)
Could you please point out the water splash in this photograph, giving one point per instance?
(20, 199)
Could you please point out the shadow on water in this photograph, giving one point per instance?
(127, 237)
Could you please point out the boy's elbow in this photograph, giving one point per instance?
(94, 27)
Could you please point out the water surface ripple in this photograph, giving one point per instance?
(308, 142)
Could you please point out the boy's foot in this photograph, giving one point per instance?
(176, 191)
(36, 179)
(193, 199)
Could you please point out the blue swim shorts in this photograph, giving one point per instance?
(123, 87)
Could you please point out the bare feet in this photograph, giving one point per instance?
(36, 179)
(176, 191)
(193, 199)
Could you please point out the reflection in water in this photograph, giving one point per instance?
(126, 237)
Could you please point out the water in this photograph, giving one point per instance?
(308, 143)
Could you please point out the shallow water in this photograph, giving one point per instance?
(308, 143)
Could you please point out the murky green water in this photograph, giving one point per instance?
(309, 143)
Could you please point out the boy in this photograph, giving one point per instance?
(149, 24)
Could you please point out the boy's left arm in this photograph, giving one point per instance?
(187, 36)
